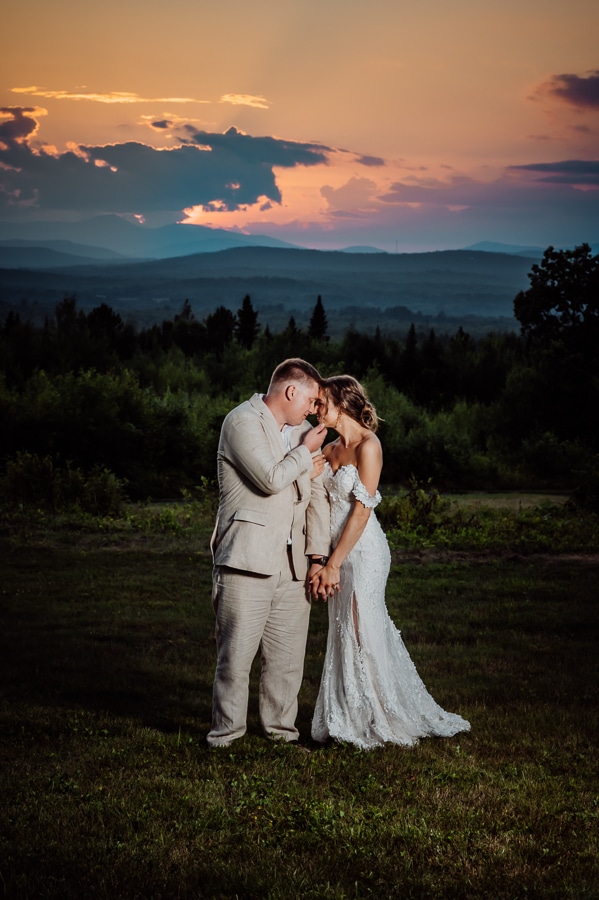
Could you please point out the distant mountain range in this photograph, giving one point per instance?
(513, 249)
(103, 236)
(125, 238)
(147, 273)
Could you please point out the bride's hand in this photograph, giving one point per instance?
(325, 582)
(318, 465)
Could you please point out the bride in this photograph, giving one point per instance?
(370, 691)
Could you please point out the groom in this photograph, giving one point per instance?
(273, 515)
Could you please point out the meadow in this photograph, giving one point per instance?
(108, 787)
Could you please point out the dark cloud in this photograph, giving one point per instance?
(577, 90)
(518, 186)
(162, 124)
(458, 191)
(261, 150)
(224, 170)
(517, 207)
(371, 161)
(530, 204)
(15, 124)
(569, 171)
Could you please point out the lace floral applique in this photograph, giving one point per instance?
(361, 494)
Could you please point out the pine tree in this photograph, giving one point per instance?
(246, 328)
(292, 329)
(220, 327)
(317, 330)
(186, 313)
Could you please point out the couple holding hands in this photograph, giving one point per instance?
(295, 523)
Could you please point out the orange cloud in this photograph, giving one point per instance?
(245, 100)
(111, 97)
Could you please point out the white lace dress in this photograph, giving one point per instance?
(370, 691)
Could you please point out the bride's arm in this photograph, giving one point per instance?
(370, 463)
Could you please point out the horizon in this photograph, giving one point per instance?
(49, 227)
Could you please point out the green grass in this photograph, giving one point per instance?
(109, 791)
(424, 520)
(511, 500)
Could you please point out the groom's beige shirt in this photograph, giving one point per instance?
(266, 495)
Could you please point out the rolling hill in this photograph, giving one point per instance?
(282, 281)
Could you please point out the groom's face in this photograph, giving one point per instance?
(301, 401)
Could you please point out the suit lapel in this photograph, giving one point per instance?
(270, 426)
(275, 437)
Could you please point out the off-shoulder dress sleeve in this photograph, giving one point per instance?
(361, 494)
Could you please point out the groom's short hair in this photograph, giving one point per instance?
(295, 369)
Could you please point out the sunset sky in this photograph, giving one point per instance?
(324, 123)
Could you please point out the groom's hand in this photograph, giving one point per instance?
(313, 439)
(314, 582)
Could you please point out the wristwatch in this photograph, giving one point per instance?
(320, 560)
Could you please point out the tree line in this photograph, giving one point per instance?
(91, 396)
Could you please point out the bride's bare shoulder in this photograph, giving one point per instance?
(369, 448)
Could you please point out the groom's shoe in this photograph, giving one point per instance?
(279, 739)
(299, 746)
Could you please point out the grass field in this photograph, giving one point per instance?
(506, 500)
(109, 790)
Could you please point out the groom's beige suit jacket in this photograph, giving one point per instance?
(267, 499)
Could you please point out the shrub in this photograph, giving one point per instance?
(41, 481)
(548, 458)
(586, 494)
(420, 510)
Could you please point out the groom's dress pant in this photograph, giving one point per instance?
(267, 611)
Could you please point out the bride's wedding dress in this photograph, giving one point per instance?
(370, 691)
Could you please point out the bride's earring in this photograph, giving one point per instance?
(337, 420)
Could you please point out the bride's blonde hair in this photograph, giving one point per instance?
(348, 395)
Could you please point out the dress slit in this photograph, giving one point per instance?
(355, 618)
